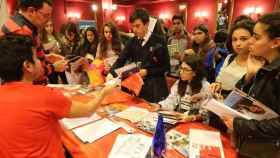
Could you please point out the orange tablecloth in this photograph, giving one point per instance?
(102, 147)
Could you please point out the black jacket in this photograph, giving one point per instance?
(265, 87)
(153, 57)
(87, 47)
(70, 49)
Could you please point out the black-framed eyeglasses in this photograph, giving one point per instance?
(185, 70)
(46, 15)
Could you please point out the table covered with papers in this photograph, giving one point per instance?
(107, 135)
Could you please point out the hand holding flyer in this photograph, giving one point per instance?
(239, 104)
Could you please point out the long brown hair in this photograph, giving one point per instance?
(116, 43)
(44, 35)
(197, 65)
(90, 47)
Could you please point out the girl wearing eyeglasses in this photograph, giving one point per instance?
(185, 91)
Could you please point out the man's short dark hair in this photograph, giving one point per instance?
(141, 14)
(178, 17)
(14, 51)
(37, 4)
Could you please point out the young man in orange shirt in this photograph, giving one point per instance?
(29, 113)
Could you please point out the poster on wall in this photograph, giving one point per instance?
(83, 24)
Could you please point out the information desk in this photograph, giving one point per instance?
(102, 147)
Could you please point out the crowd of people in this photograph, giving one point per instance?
(246, 57)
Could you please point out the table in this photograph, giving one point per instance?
(102, 147)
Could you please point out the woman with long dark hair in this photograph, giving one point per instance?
(192, 81)
(49, 39)
(234, 66)
(110, 45)
(52, 44)
(70, 49)
(90, 43)
(70, 41)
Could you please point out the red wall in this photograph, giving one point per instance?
(125, 11)
(169, 8)
(12, 4)
(155, 9)
(61, 8)
(59, 17)
(209, 6)
(83, 8)
(240, 5)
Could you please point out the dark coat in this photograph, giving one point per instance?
(153, 57)
(87, 47)
(69, 48)
(261, 138)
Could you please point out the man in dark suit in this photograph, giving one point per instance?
(149, 51)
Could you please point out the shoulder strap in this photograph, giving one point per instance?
(231, 58)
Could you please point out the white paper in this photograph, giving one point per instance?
(222, 110)
(174, 62)
(111, 60)
(172, 49)
(204, 139)
(65, 86)
(126, 127)
(133, 114)
(71, 123)
(248, 106)
(91, 132)
(131, 146)
(116, 81)
(238, 104)
(131, 66)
